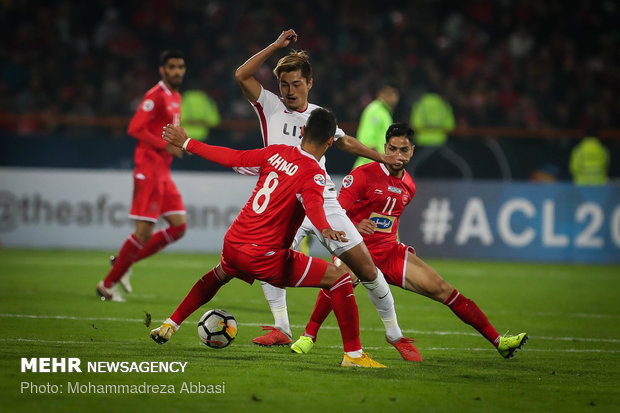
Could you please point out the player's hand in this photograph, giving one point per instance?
(285, 38)
(174, 135)
(329, 233)
(394, 161)
(366, 227)
(174, 151)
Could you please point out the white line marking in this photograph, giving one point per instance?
(299, 326)
(539, 350)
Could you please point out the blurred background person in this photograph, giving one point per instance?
(200, 113)
(589, 162)
(432, 119)
(376, 119)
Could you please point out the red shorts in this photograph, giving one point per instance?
(393, 263)
(154, 197)
(278, 267)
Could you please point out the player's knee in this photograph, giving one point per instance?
(143, 236)
(367, 272)
(442, 290)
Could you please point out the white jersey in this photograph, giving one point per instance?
(279, 125)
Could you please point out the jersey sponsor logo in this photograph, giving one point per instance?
(347, 181)
(280, 164)
(319, 179)
(148, 105)
(384, 223)
(140, 176)
(378, 192)
(175, 105)
(291, 130)
(405, 198)
(395, 189)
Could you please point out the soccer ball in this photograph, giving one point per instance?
(217, 328)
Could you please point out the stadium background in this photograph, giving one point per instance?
(526, 80)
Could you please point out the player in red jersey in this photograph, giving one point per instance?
(281, 119)
(155, 194)
(256, 246)
(375, 196)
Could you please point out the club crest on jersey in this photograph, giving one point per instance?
(347, 181)
(395, 189)
(319, 179)
(148, 105)
(384, 223)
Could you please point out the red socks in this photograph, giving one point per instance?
(201, 293)
(126, 256)
(345, 310)
(463, 307)
(468, 311)
(133, 250)
(322, 308)
(160, 239)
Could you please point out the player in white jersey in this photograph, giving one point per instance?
(281, 119)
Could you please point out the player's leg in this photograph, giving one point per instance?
(280, 334)
(160, 239)
(404, 345)
(148, 198)
(322, 308)
(201, 293)
(359, 260)
(173, 211)
(356, 256)
(130, 249)
(421, 278)
(339, 287)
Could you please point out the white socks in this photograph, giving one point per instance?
(172, 323)
(276, 297)
(381, 296)
(355, 354)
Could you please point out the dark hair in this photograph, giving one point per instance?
(399, 129)
(295, 60)
(170, 54)
(388, 83)
(321, 126)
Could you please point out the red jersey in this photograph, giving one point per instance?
(370, 192)
(159, 107)
(290, 179)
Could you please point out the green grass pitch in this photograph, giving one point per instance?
(48, 308)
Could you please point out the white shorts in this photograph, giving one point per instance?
(339, 221)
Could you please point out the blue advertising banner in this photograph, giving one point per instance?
(510, 221)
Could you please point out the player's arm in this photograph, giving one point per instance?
(353, 146)
(177, 136)
(313, 201)
(245, 73)
(138, 127)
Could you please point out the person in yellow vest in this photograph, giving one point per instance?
(432, 119)
(198, 114)
(376, 119)
(589, 162)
